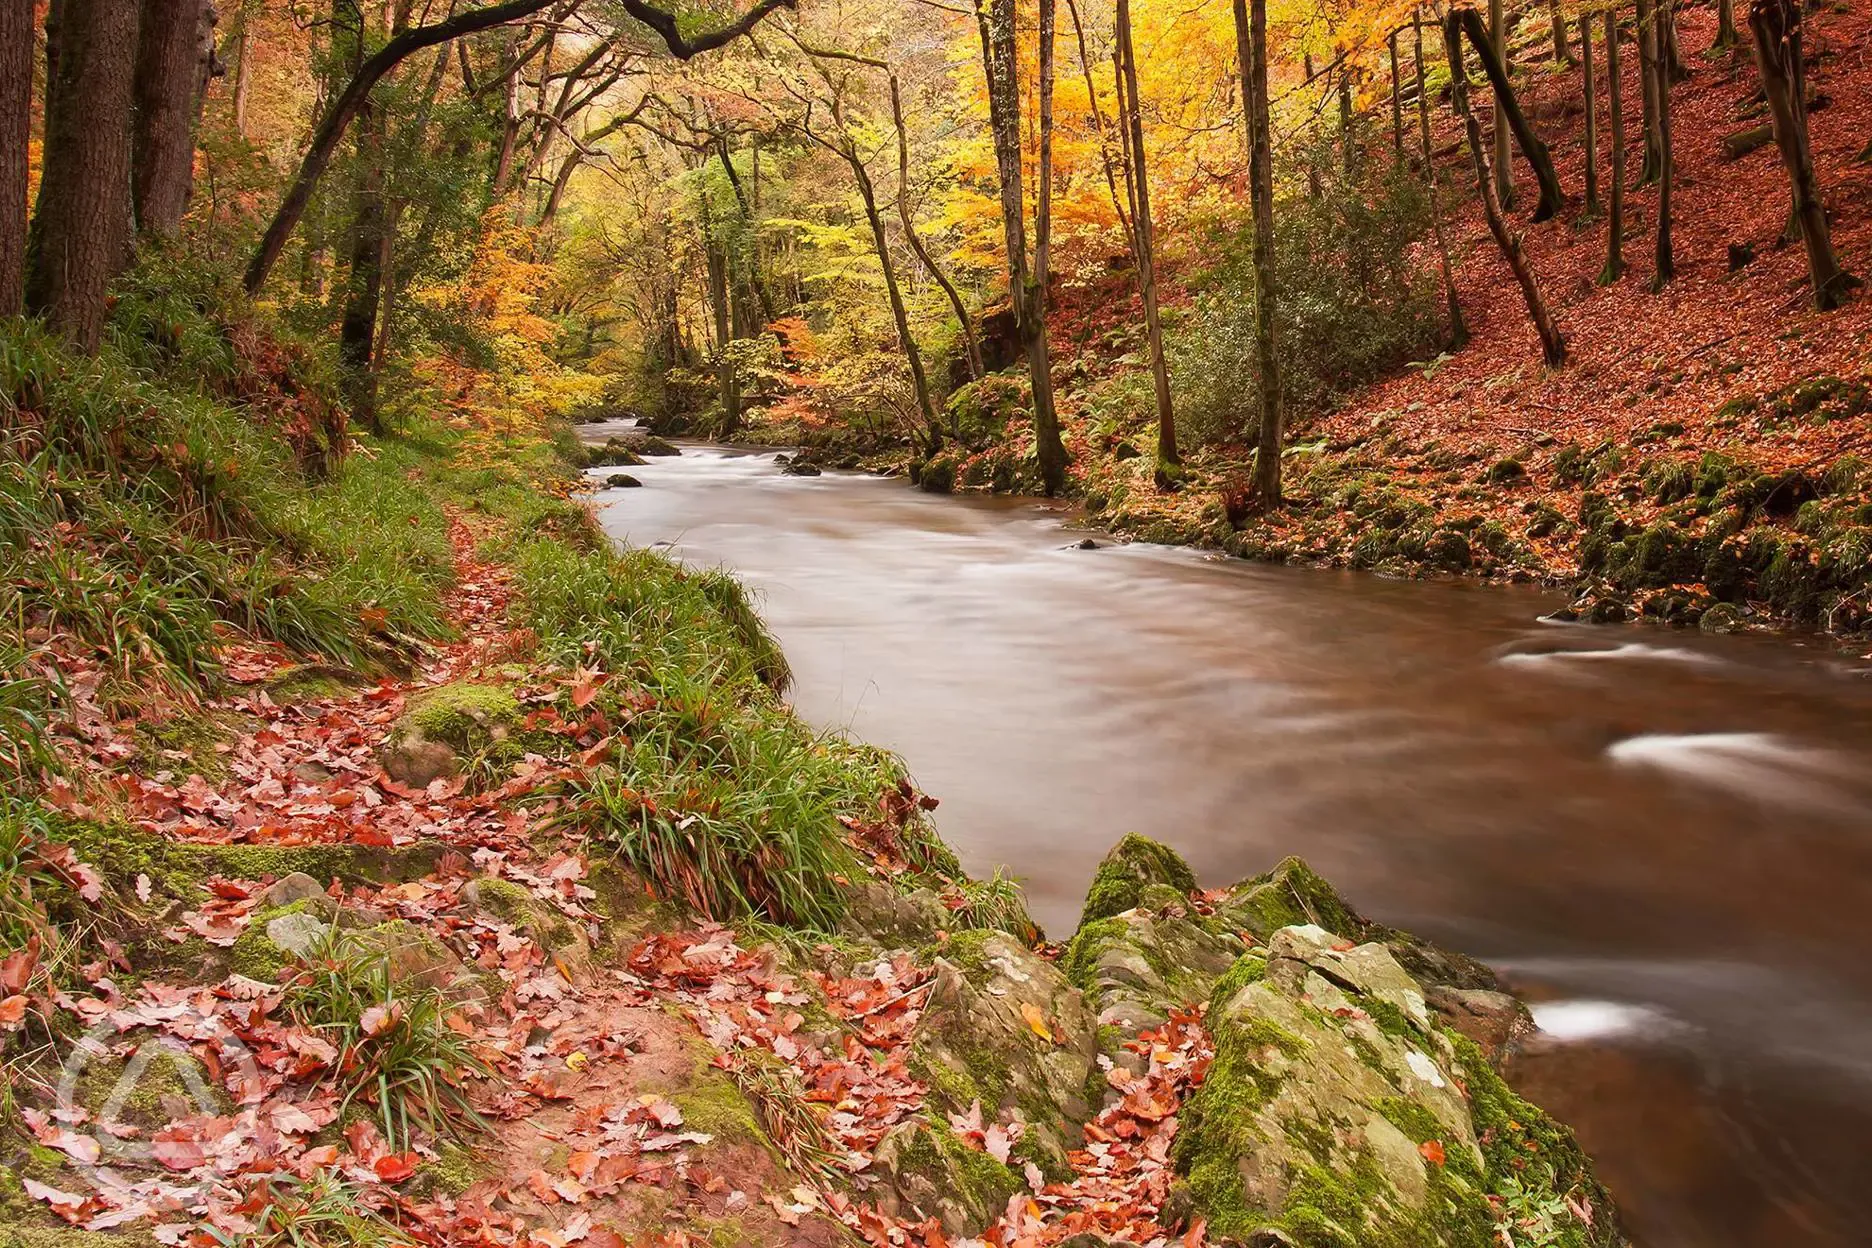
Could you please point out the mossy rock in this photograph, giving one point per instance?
(1138, 966)
(1338, 1112)
(138, 1087)
(976, 1042)
(928, 1172)
(1134, 862)
(561, 939)
(464, 715)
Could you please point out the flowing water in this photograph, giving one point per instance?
(1664, 839)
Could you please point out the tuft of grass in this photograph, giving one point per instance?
(996, 904)
(321, 1211)
(397, 1050)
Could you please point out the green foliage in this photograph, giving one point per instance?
(396, 1048)
(321, 1211)
(1352, 306)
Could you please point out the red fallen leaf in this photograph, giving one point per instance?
(13, 1010)
(67, 1206)
(16, 968)
(1197, 1235)
(175, 1146)
(1432, 1151)
(323, 1155)
(395, 1167)
(379, 1019)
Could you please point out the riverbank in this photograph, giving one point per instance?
(473, 883)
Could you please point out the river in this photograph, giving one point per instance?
(1665, 840)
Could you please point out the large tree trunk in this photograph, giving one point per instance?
(1726, 37)
(1615, 220)
(1776, 25)
(1504, 161)
(1043, 193)
(1647, 81)
(1458, 328)
(364, 289)
(16, 87)
(1251, 54)
(995, 24)
(1591, 92)
(168, 62)
(80, 235)
(971, 344)
(1665, 264)
(1144, 249)
(1552, 198)
(1562, 55)
(1553, 347)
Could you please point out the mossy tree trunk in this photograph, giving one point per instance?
(16, 87)
(1251, 53)
(1615, 218)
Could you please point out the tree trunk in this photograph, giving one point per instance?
(1776, 25)
(1553, 347)
(162, 167)
(243, 74)
(1591, 91)
(1504, 159)
(1647, 81)
(1251, 53)
(956, 304)
(1552, 198)
(16, 90)
(1397, 104)
(339, 116)
(1615, 221)
(80, 235)
(1143, 247)
(1458, 328)
(995, 24)
(1348, 142)
(1673, 57)
(364, 288)
(1665, 265)
(510, 115)
(1726, 37)
(1312, 166)
(1562, 54)
(899, 314)
(728, 386)
(1043, 195)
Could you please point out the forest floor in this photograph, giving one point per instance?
(1697, 458)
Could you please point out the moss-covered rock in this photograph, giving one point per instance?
(1004, 1027)
(927, 1172)
(1133, 863)
(1137, 966)
(562, 940)
(1338, 1112)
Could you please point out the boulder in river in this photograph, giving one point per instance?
(801, 466)
(621, 481)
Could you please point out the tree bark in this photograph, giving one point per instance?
(1562, 54)
(1043, 194)
(1553, 347)
(1504, 159)
(1143, 247)
(995, 25)
(80, 235)
(1251, 54)
(956, 303)
(162, 168)
(1726, 37)
(16, 89)
(1591, 90)
(243, 74)
(1397, 104)
(1348, 142)
(1458, 328)
(1615, 220)
(1665, 264)
(1647, 81)
(919, 382)
(1776, 25)
(1552, 198)
(364, 285)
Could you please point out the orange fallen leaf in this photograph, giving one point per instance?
(1432, 1151)
(1036, 1021)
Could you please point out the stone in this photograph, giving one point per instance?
(895, 919)
(299, 933)
(416, 764)
(926, 1172)
(1132, 864)
(563, 940)
(976, 1042)
(1494, 1020)
(297, 886)
(802, 467)
(621, 481)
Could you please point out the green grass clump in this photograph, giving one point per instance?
(396, 1048)
(322, 1211)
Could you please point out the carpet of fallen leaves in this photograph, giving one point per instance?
(587, 1140)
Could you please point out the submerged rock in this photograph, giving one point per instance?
(621, 481)
(800, 466)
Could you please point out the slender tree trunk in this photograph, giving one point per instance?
(1504, 159)
(1312, 170)
(510, 115)
(1562, 54)
(1251, 54)
(899, 314)
(1397, 104)
(1348, 142)
(364, 288)
(995, 24)
(1647, 81)
(1591, 91)
(1776, 25)
(1043, 196)
(1144, 252)
(1673, 57)
(1665, 265)
(1458, 328)
(162, 165)
(1615, 220)
(80, 235)
(956, 303)
(728, 385)
(16, 89)
(1726, 36)
(243, 74)
(1552, 198)
(1553, 347)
